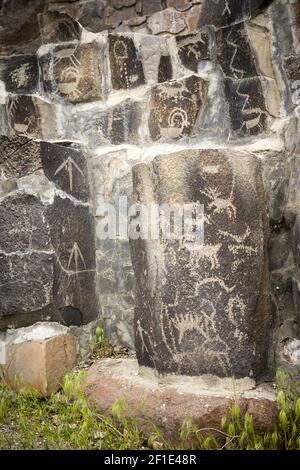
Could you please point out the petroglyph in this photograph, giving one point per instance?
(202, 305)
(72, 72)
(234, 53)
(247, 109)
(219, 204)
(192, 48)
(127, 69)
(175, 106)
(68, 164)
(76, 257)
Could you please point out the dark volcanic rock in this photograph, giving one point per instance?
(292, 69)
(247, 108)
(26, 282)
(165, 69)
(56, 27)
(72, 72)
(18, 21)
(204, 309)
(234, 52)
(73, 239)
(193, 48)
(20, 74)
(66, 167)
(26, 269)
(22, 221)
(226, 12)
(175, 106)
(19, 157)
(24, 115)
(126, 68)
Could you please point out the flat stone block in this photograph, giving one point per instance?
(56, 27)
(227, 12)
(168, 401)
(38, 356)
(20, 74)
(66, 167)
(72, 72)
(22, 220)
(73, 240)
(26, 282)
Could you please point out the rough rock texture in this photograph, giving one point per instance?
(175, 107)
(19, 157)
(108, 84)
(169, 402)
(202, 310)
(38, 357)
(72, 72)
(47, 249)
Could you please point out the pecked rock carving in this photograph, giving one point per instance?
(203, 311)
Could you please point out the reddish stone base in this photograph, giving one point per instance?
(168, 401)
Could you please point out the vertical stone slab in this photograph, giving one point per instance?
(66, 167)
(72, 233)
(26, 258)
(126, 68)
(235, 56)
(204, 311)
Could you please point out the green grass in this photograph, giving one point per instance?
(65, 420)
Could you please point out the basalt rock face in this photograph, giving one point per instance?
(48, 263)
(89, 90)
(202, 310)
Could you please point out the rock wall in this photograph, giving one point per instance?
(90, 90)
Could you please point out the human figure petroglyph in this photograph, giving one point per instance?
(226, 6)
(142, 334)
(21, 75)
